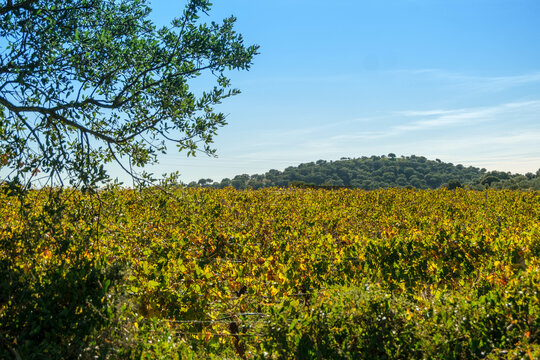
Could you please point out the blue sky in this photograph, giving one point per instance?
(450, 79)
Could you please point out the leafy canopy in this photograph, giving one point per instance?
(88, 82)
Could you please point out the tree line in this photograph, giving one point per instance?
(377, 172)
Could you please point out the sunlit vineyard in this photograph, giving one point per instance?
(272, 273)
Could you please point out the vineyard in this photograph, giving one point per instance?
(270, 274)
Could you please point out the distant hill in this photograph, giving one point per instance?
(376, 172)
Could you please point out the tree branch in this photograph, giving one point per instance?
(22, 5)
(61, 118)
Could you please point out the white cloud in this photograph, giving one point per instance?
(413, 113)
(475, 82)
(504, 136)
(469, 116)
(488, 137)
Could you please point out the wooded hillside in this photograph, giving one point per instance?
(380, 172)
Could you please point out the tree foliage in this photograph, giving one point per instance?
(375, 172)
(88, 82)
(367, 173)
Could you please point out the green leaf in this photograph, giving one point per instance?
(106, 285)
(152, 284)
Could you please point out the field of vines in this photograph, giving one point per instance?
(270, 274)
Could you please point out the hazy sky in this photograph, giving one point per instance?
(457, 80)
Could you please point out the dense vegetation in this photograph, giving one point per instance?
(376, 172)
(294, 273)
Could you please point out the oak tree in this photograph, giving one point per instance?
(87, 82)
